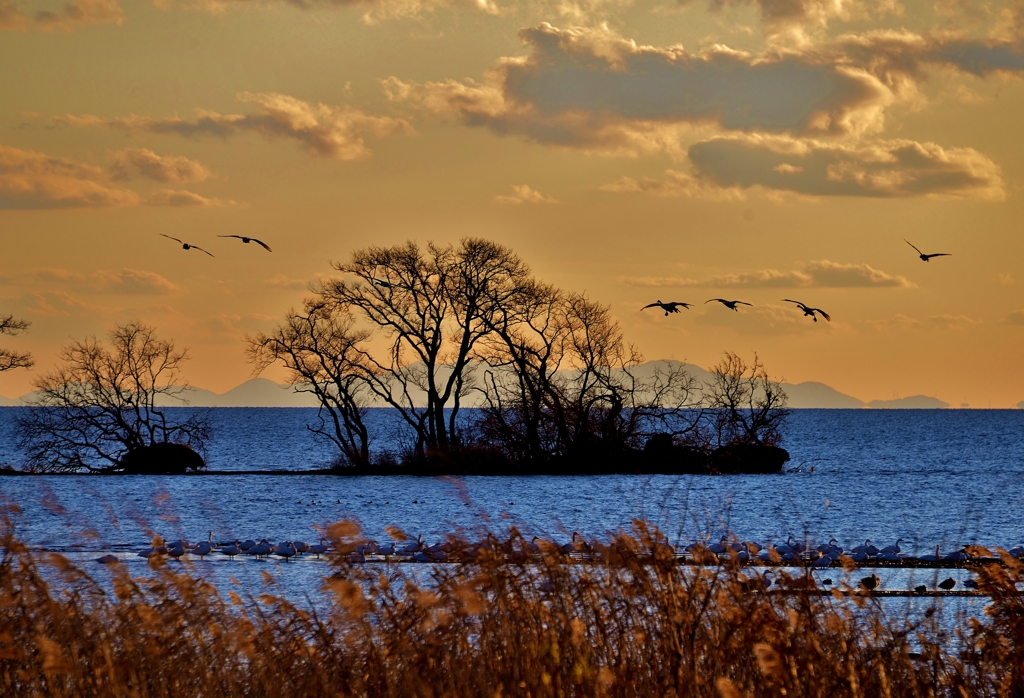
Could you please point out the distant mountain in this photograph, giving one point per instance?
(260, 392)
(812, 395)
(917, 402)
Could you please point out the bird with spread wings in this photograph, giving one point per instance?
(731, 305)
(668, 307)
(247, 240)
(810, 311)
(186, 245)
(925, 257)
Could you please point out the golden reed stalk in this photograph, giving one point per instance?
(508, 623)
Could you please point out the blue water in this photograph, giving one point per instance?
(945, 477)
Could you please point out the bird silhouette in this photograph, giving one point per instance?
(382, 283)
(925, 257)
(247, 240)
(947, 584)
(668, 307)
(731, 305)
(185, 245)
(920, 589)
(810, 311)
(870, 583)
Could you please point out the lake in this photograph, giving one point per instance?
(931, 477)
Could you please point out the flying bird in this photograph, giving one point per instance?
(925, 257)
(668, 307)
(810, 311)
(382, 283)
(185, 245)
(247, 240)
(731, 305)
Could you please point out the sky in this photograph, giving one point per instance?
(637, 150)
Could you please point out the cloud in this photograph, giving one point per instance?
(795, 17)
(759, 320)
(32, 180)
(952, 322)
(331, 132)
(180, 197)
(79, 12)
(132, 162)
(524, 194)
(594, 90)
(882, 169)
(1015, 318)
(816, 274)
(73, 14)
(124, 282)
(374, 10)
(11, 18)
(675, 184)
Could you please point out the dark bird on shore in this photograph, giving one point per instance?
(920, 589)
(870, 583)
(731, 305)
(925, 257)
(947, 584)
(810, 311)
(185, 245)
(971, 584)
(668, 307)
(247, 240)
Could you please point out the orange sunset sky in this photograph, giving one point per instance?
(637, 150)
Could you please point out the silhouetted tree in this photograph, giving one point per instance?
(9, 360)
(322, 351)
(745, 405)
(563, 383)
(433, 306)
(101, 403)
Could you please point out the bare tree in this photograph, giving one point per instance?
(100, 405)
(562, 383)
(433, 306)
(322, 351)
(9, 360)
(747, 407)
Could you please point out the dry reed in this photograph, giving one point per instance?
(510, 622)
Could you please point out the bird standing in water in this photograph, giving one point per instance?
(668, 307)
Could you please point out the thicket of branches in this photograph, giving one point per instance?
(423, 329)
(103, 402)
(10, 359)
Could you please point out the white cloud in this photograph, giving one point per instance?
(524, 194)
(30, 180)
(131, 162)
(331, 132)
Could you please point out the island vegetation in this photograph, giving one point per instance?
(424, 331)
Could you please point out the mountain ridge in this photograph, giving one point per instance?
(261, 392)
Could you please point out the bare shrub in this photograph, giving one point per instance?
(744, 404)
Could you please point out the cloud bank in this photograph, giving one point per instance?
(74, 13)
(29, 179)
(594, 90)
(325, 131)
(816, 274)
(141, 162)
(731, 166)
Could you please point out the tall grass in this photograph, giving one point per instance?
(509, 622)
